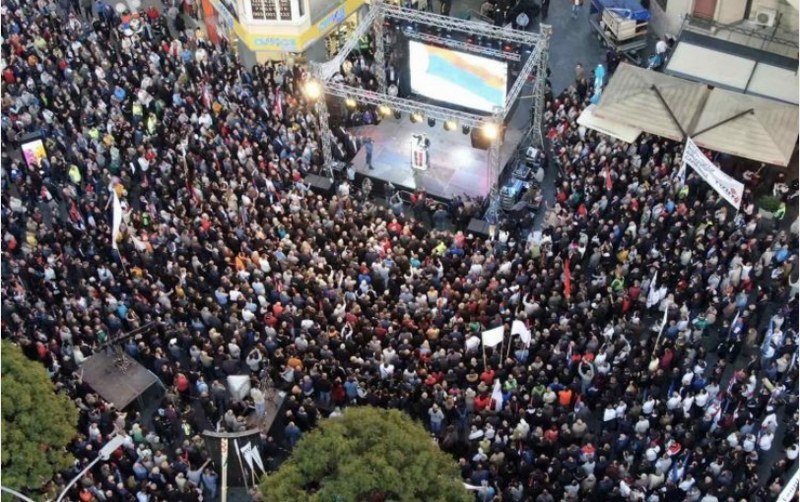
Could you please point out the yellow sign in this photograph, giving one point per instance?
(261, 39)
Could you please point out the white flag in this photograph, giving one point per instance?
(255, 455)
(729, 188)
(518, 328)
(681, 175)
(492, 337)
(664, 321)
(244, 451)
(116, 218)
(497, 395)
(652, 294)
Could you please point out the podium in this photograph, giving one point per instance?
(419, 152)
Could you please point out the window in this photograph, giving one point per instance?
(285, 7)
(263, 10)
(275, 10)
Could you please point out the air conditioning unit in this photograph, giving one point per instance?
(765, 17)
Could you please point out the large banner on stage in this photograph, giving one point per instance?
(730, 189)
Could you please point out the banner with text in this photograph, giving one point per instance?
(730, 189)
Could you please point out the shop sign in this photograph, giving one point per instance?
(284, 44)
(224, 14)
(333, 18)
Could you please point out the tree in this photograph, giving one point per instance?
(368, 454)
(37, 423)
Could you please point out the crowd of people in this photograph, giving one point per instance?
(228, 264)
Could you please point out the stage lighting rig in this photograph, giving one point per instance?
(313, 90)
(490, 131)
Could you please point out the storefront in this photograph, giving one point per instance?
(277, 29)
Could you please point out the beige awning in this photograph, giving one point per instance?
(611, 128)
(768, 134)
(629, 98)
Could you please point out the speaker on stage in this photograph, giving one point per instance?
(480, 141)
(479, 227)
(319, 184)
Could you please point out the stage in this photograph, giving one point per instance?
(456, 168)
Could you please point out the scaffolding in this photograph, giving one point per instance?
(536, 43)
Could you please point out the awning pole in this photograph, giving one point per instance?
(669, 110)
(729, 119)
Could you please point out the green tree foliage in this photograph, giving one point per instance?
(37, 423)
(368, 454)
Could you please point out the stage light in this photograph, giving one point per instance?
(397, 114)
(490, 131)
(384, 110)
(350, 102)
(450, 125)
(431, 122)
(416, 117)
(465, 129)
(313, 90)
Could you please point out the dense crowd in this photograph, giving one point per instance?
(237, 268)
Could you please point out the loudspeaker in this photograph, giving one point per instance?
(479, 228)
(319, 184)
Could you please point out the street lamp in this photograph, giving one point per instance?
(105, 452)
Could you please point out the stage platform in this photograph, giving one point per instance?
(456, 168)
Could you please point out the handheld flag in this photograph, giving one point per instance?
(518, 328)
(116, 219)
(492, 337)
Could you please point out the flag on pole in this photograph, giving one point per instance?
(609, 183)
(734, 329)
(518, 328)
(681, 176)
(567, 280)
(116, 218)
(767, 338)
(244, 451)
(252, 456)
(497, 396)
(278, 106)
(652, 293)
(492, 337)
(255, 455)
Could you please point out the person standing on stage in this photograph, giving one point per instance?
(368, 146)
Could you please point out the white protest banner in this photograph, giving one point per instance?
(492, 337)
(730, 189)
(518, 328)
(116, 218)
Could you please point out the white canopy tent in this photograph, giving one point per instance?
(746, 126)
(734, 72)
(617, 130)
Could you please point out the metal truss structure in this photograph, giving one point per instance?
(535, 43)
(464, 46)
